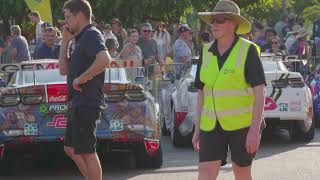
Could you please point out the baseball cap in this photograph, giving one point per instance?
(184, 28)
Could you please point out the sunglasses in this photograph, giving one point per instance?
(219, 20)
(146, 31)
(274, 42)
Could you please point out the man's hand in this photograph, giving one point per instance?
(76, 84)
(196, 141)
(66, 34)
(253, 140)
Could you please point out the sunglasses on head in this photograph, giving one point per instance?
(219, 20)
(146, 31)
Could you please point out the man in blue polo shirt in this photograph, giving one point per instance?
(85, 70)
(48, 49)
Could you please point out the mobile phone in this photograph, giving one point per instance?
(68, 29)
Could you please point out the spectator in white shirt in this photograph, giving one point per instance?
(36, 18)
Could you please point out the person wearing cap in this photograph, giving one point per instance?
(36, 18)
(119, 32)
(181, 50)
(107, 34)
(231, 83)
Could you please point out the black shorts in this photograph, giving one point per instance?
(81, 129)
(214, 146)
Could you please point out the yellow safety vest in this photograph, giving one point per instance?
(227, 96)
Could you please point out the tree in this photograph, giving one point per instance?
(12, 12)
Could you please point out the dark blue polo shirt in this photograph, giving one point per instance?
(45, 52)
(88, 44)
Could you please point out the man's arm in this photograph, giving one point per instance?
(258, 107)
(14, 53)
(64, 58)
(99, 65)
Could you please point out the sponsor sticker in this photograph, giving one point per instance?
(60, 98)
(57, 93)
(43, 108)
(13, 133)
(31, 129)
(269, 104)
(59, 121)
(295, 106)
(283, 107)
(116, 125)
(58, 107)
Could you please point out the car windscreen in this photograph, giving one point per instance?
(53, 76)
(269, 65)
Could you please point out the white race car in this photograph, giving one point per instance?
(178, 103)
(288, 102)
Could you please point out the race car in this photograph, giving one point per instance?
(288, 102)
(178, 104)
(34, 110)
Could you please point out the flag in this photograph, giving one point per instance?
(43, 7)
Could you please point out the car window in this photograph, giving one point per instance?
(273, 66)
(53, 76)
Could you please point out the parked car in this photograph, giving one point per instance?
(178, 104)
(288, 102)
(34, 110)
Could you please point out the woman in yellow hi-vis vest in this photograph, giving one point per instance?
(230, 81)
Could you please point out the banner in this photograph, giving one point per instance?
(43, 7)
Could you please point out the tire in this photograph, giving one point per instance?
(5, 167)
(177, 139)
(145, 160)
(297, 134)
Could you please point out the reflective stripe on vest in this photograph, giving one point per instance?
(220, 93)
(227, 96)
(211, 113)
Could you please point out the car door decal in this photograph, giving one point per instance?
(277, 92)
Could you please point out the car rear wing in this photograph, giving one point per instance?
(54, 64)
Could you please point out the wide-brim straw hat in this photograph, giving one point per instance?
(295, 29)
(230, 9)
(302, 33)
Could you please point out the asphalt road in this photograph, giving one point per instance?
(278, 159)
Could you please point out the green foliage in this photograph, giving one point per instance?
(311, 14)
